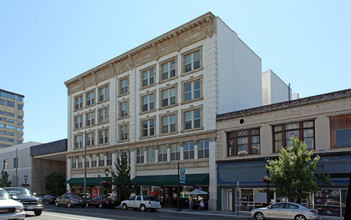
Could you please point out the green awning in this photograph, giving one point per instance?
(91, 181)
(171, 180)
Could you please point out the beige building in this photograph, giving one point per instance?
(158, 103)
(11, 118)
(246, 138)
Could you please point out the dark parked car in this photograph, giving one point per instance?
(102, 202)
(70, 200)
(49, 199)
(25, 196)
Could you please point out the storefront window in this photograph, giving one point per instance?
(330, 202)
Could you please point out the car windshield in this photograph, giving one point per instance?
(18, 192)
(4, 195)
(77, 197)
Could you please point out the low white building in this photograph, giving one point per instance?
(20, 153)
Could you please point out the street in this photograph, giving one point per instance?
(55, 213)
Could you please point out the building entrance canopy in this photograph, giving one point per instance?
(91, 181)
(171, 180)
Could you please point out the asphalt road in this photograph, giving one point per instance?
(63, 213)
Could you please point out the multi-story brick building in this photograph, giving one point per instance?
(247, 138)
(11, 118)
(158, 103)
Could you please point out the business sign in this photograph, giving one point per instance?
(182, 175)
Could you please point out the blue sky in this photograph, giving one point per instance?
(45, 43)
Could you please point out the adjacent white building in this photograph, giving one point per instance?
(17, 162)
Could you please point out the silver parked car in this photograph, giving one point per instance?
(285, 210)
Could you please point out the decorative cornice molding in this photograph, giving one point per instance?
(207, 18)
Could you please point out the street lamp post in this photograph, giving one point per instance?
(267, 174)
(85, 164)
(106, 174)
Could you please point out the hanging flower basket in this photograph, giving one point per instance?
(263, 179)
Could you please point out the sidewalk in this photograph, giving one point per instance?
(226, 213)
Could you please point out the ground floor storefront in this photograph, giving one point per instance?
(240, 186)
(99, 186)
(165, 189)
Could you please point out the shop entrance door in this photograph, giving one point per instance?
(230, 201)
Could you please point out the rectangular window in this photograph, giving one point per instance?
(73, 162)
(10, 104)
(103, 115)
(90, 98)
(168, 124)
(90, 139)
(87, 161)
(123, 131)
(78, 141)
(192, 90)
(304, 131)
(168, 97)
(188, 150)
(148, 102)
(148, 77)
(150, 154)
(203, 149)
(101, 160)
(192, 119)
(168, 70)
(109, 159)
(103, 94)
(90, 117)
(340, 131)
(140, 155)
(162, 153)
(103, 136)
(19, 107)
(148, 128)
(80, 161)
(175, 152)
(5, 164)
(78, 122)
(78, 102)
(243, 142)
(123, 86)
(192, 61)
(124, 109)
(93, 160)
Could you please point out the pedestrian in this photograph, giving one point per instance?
(202, 205)
(190, 200)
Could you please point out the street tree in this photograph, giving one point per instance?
(4, 180)
(121, 180)
(293, 173)
(55, 183)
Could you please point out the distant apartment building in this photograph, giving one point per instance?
(158, 104)
(11, 118)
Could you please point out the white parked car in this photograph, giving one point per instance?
(141, 202)
(285, 210)
(9, 208)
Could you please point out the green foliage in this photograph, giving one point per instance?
(4, 180)
(55, 184)
(293, 172)
(122, 182)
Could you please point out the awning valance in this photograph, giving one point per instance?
(171, 180)
(91, 181)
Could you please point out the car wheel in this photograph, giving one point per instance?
(100, 205)
(124, 207)
(143, 208)
(69, 205)
(259, 216)
(300, 217)
(56, 204)
(37, 212)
